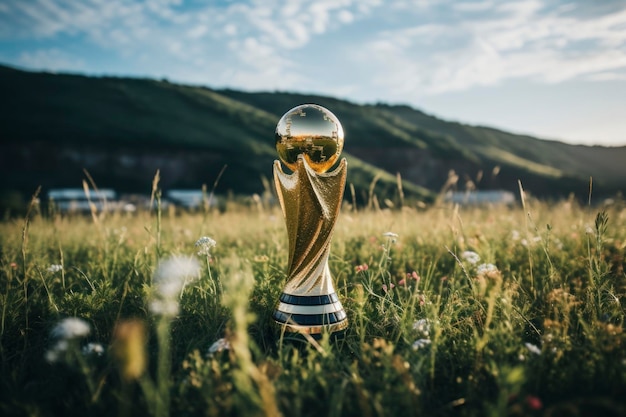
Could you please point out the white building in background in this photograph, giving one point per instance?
(190, 199)
(480, 197)
(76, 200)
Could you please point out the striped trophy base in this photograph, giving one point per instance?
(312, 315)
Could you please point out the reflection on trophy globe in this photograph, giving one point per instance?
(312, 131)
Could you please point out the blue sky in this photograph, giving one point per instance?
(554, 69)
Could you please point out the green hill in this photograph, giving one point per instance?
(123, 129)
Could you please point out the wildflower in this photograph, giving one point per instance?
(534, 402)
(533, 348)
(385, 288)
(486, 270)
(361, 268)
(421, 343)
(56, 352)
(515, 235)
(206, 241)
(70, 328)
(66, 331)
(205, 244)
(13, 265)
(169, 280)
(219, 345)
(422, 326)
(95, 349)
(55, 268)
(171, 274)
(390, 235)
(470, 256)
(261, 259)
(409, 276)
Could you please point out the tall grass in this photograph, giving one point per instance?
(533, 327)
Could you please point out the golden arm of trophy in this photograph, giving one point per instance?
(310, 199)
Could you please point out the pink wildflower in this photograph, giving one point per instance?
(385, 288)
(415, 276)
(402, 282)
(13, 265)
(361, 268)
(534, 402)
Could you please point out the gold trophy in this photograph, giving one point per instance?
(309, 140)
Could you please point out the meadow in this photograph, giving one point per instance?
(484, 311)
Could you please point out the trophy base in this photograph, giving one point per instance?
(305, 338)
(310, 315)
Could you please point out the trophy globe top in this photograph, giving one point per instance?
(312, 131)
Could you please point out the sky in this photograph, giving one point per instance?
(554, 69)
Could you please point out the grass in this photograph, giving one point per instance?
(538, 332)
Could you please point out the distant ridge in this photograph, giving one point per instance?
(122, 129)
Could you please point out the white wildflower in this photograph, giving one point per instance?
(422, 326)
(537, 239)
(219, 345)
(70, 328)
(66, 333)
(170, 278)
(55, 268)
(421, 343)
(54, 354)
(390, 235)
(173, 273)
(533, 348)
(205, 244)
(589, 230)
(524, 242)
(515, 235)
(95, 349)
(51, 356)
(470, 256)
(486, 269)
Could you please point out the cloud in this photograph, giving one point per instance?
(402, 49)
(51, 60)
(217, 43)
(517, 39)
(607, 76)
